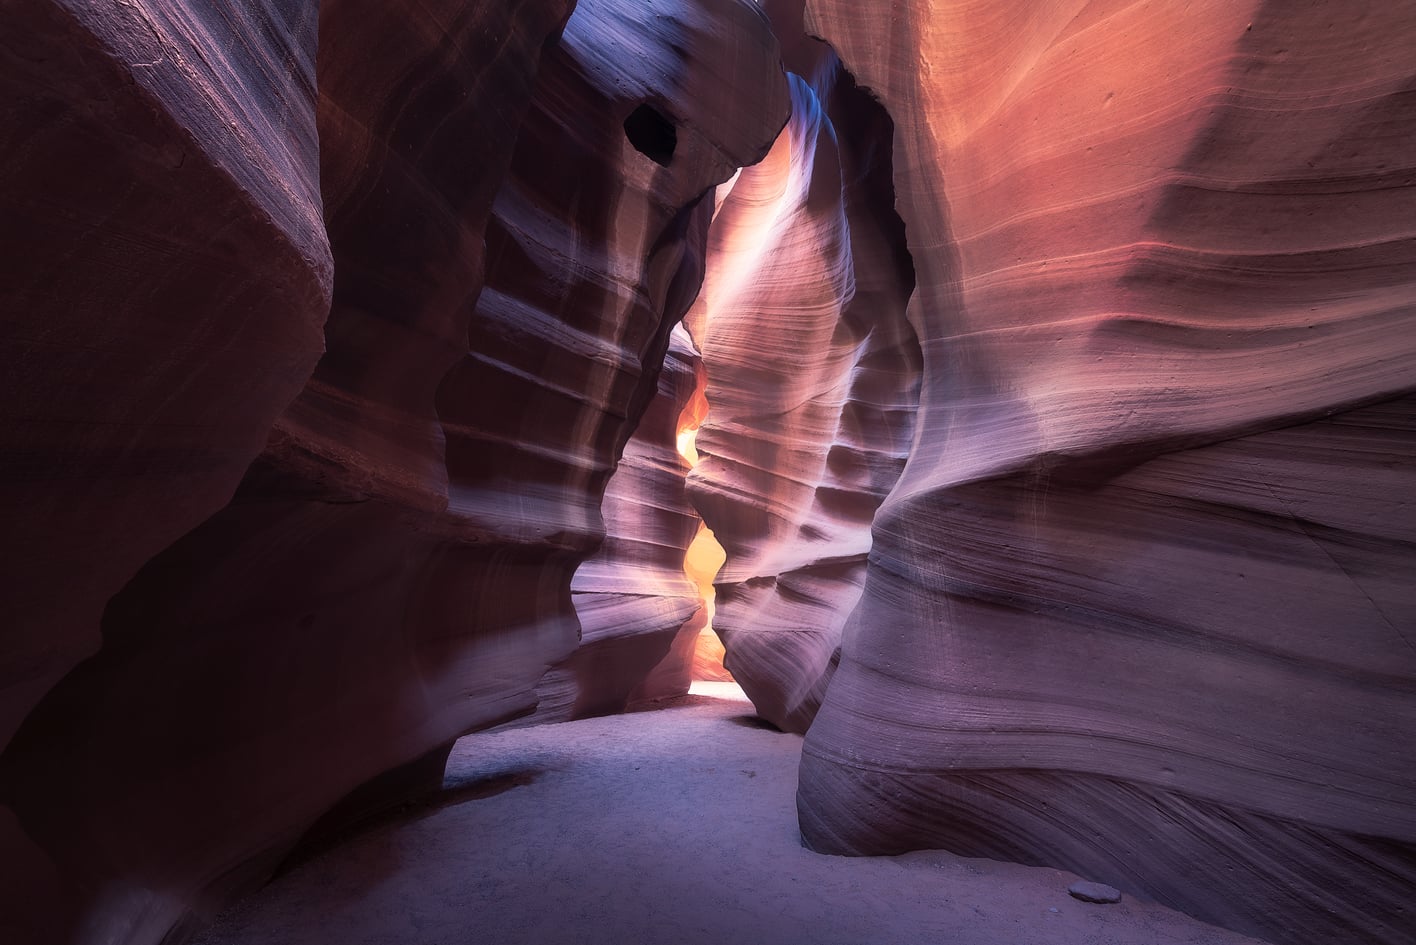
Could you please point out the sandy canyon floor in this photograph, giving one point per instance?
(669, 826)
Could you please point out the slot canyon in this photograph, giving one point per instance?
(669, 470)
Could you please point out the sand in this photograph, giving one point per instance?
(670, 826)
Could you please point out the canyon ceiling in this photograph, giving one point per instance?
(1053, 367)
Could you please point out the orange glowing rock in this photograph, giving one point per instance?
(705, 555)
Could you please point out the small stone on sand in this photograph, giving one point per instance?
(1094, 892)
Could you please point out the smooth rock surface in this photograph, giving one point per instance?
(266, 663)
(163, 284)
(1093, 892)
(1149, 566)
(165, 277)
(394, 568)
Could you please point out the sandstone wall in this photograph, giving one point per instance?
(393, 569)
(1141, 604)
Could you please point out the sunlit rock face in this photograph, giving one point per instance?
(812, 374)
(394, 568)
(702, 563)
(1141, 604)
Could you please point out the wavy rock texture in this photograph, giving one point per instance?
(812, 373)
(597, 245)
(1141, 603)
(632, 596)
(394, 569)
(280, 654)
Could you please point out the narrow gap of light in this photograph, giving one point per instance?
(705, 556)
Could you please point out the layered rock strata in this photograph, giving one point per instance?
(1141, 603)
(812, 376)
(632, 597)
(394, 568)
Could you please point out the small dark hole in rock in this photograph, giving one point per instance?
(652, 134)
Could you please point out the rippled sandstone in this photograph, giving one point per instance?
(1141, 604)
(812, 381)
(510, 251)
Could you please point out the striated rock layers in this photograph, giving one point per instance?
(516, 219)
(812, 377)
(1142, 603)
(632, 597)
(328, 333)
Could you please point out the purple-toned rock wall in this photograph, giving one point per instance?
(1060, 362)
(299, 473)
(1142, 604)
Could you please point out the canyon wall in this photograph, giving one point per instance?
(269, 569)
(164, 284)
(1141, 604)
(164, 281)
(1060, 365)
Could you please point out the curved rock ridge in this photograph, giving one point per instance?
(812, 372)
(281, 652)
(632, 597)
(394, 569)
(595, 252)
(1141, 603)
